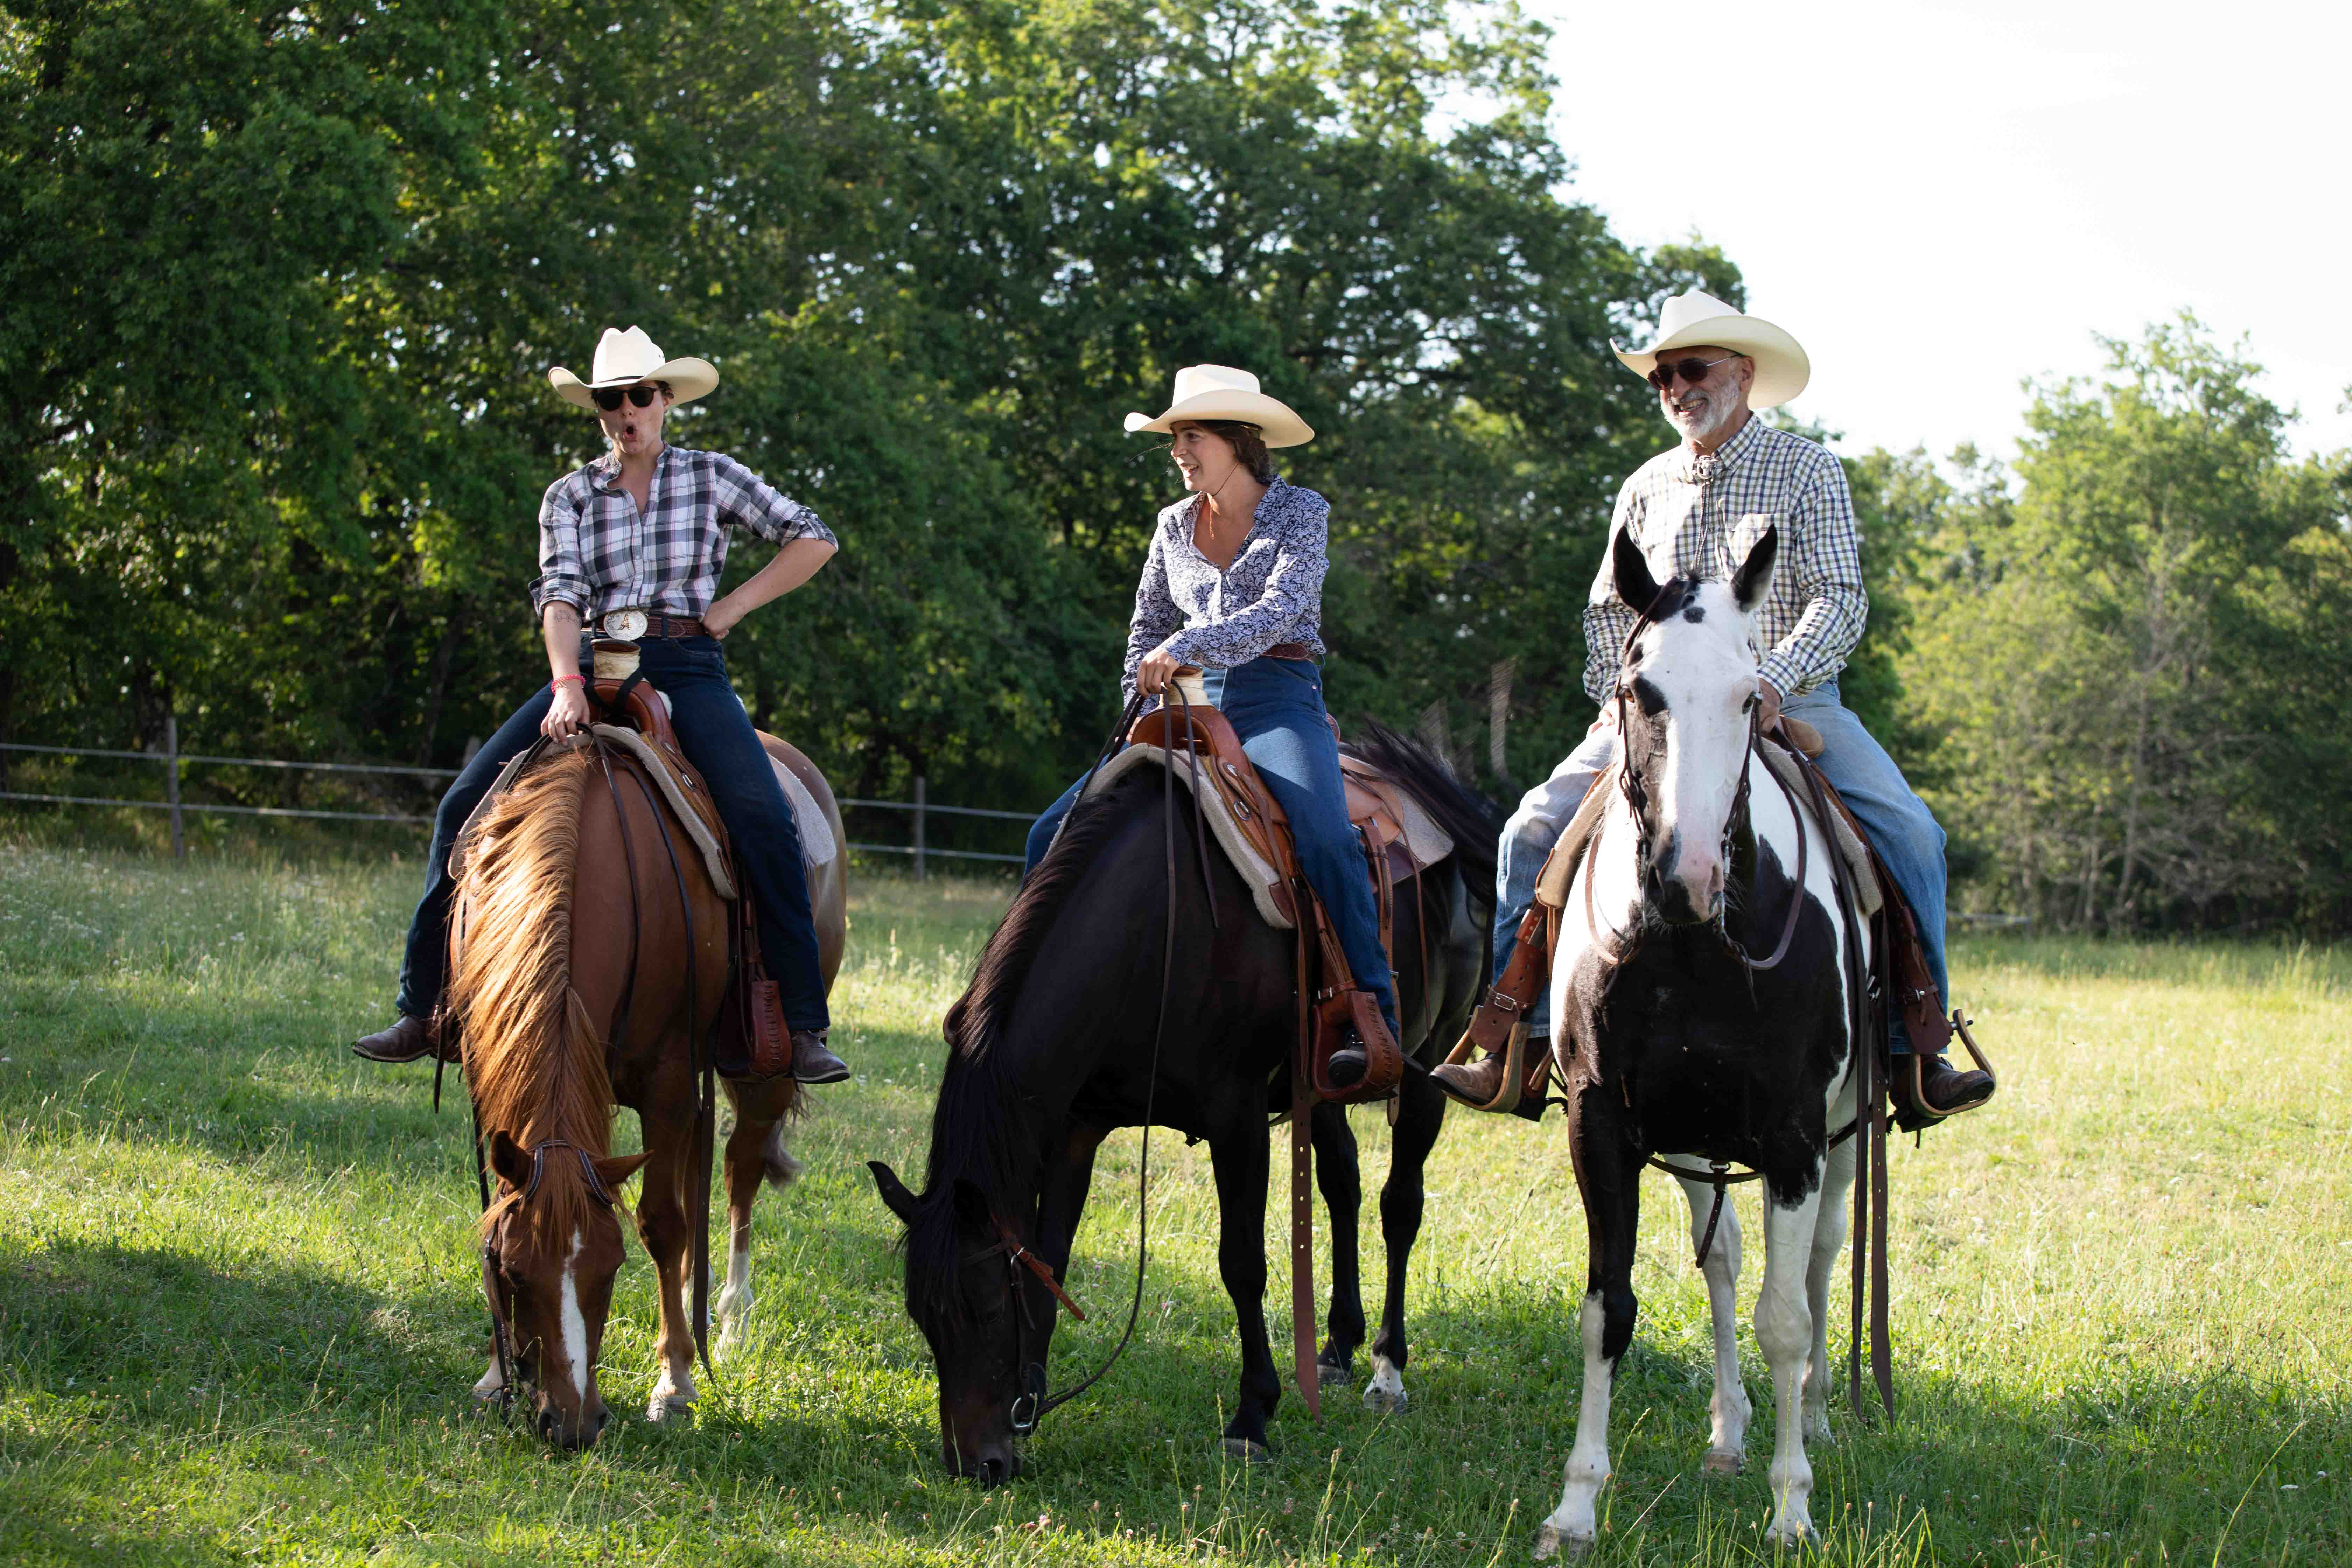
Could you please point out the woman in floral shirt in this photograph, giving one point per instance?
(1234, 584)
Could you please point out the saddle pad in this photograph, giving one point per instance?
(1262, 877)
(1424, 839)
(817, 847)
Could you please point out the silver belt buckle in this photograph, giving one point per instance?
(625, 625)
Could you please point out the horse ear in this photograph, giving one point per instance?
(1754, 578)
(1635, 586)
(508, 1159)
(894, 1192)
(615, 1169)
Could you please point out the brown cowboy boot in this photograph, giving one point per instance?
(1932, 1089)
(1479, 1084)
(813, 1061)
(405, 1041)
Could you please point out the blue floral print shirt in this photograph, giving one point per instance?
(1272, 592)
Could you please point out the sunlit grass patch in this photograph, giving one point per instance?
(240, 1307)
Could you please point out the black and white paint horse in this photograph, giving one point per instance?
(1679, 1036)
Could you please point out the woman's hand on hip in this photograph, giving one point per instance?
(570, 714)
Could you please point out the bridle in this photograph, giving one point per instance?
(1637, 795)
(495, 1291)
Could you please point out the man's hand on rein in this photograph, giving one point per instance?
(1768, 705)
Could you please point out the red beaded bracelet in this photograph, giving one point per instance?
(562, 678)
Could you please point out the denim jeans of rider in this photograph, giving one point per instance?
(715, 734)
(1276, 705)
(1904, 832)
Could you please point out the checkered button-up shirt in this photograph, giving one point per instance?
(598, 553)
(1699, 517)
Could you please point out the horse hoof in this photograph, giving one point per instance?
(1333, 1375)
(1552, 1545)
(1723, 1464)
(1385, 1401)
(1247, 1452)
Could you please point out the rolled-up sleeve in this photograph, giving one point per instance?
(1824, 550)
(1156, 615)
(1607, 617)
(562, 565)
(747, 501)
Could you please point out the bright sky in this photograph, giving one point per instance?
(1941, 200)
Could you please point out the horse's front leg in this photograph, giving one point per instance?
(663, 1227)
(1784, 1328)
(1610, 1180)
(755, 1153)
(1829, 1240)
(1729, 1411)
(1337, 1172)
(1421, 1111)
(1240, 1160)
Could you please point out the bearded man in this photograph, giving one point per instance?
(640, 536)
(1696, 511)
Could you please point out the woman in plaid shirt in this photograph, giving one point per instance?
(643, 528)
(1696, 511)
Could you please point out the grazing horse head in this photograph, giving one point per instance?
(552, 1249)
(988, 1319)
(1686, 699)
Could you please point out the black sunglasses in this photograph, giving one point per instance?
(608, 398)
(1691, 369)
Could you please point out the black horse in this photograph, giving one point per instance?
(1051, 1048)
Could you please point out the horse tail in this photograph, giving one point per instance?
(1469, 818)
(533, 1059)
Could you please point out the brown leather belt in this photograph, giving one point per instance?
(1291, 650)
(661, 626)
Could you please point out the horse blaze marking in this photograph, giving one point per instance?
(575, 1325)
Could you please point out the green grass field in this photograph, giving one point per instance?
(240, 1307)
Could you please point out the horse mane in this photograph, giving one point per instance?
(1468, 817)
(983, 1129)
(533, 1058)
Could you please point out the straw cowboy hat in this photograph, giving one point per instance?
(1221, 392)
(1693, 319)
(625, 359)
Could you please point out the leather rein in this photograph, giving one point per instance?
(1032, 1405)
(701, 1064)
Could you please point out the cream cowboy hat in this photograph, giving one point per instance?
(1221, 392)
(625, 359)
(1692, 318)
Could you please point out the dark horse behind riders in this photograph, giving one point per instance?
(1051, 1048)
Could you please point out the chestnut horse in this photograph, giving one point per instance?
(589, 959)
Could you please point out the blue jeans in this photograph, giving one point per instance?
(1901, 829)
(1276, 705)
(715, 734)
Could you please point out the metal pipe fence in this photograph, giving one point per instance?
(171, 757)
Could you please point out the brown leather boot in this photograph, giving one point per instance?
(1932, 1089)
(814, 1061)
(1475, 1084)
(405, 1041)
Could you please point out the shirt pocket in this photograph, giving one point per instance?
(1749, 527)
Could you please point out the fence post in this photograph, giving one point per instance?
(172, 783)
(918, 827)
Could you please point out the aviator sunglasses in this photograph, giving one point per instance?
(608, 398)
(1691, 369)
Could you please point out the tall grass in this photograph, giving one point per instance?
(239, 1311)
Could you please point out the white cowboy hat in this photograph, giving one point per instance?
(625, 359)
(1692, 318)
(1221, 392)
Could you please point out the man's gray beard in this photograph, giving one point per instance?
(1718, 413)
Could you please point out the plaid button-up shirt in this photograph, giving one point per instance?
(598, 553)
(1699, 517)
